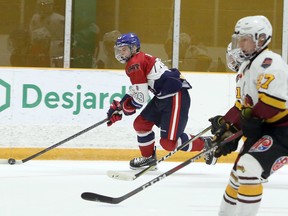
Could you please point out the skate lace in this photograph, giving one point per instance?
(140, 160)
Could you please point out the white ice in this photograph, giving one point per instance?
(53, 188)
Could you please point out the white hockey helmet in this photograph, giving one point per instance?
(258, 27)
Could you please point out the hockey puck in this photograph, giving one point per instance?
(11, 161)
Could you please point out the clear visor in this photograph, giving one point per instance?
(234, 42)
(236, 49)
(236, 38)
(122, 53)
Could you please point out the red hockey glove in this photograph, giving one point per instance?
(114, 112)
(127, 107)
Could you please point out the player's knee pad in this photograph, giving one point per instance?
(248, 170)
(168, 145)
(142, 125)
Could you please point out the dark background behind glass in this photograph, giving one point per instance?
(209, 23)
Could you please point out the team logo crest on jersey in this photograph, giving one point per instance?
(262, 144)
(280, 162)
(133, 67)
(266, 63)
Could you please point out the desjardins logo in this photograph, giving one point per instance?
(5, 95)
(34, 97)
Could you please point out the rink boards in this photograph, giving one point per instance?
(40, 107)
(99, 154)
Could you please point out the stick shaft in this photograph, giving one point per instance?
(173, 152)
(65, 140)
(115, 200)
(124, 176)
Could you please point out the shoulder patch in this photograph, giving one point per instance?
(266, 63)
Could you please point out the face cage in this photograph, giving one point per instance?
(122, 58)
(232, 62)
(234, 59)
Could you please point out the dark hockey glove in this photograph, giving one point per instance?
(114, 113)
(227, 148)
(222, 133)
(251, 127)
(216, 123)
(127, 106)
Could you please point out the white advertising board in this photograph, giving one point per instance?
(42, 106)
(39, 96)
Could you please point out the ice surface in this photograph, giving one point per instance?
(53, 188)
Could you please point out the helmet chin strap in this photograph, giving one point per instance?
(264, 44)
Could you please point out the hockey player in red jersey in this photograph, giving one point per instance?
(261, 112)
(168, 109)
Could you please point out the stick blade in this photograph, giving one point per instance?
(99, 198)
(5, 161)
(120, 175)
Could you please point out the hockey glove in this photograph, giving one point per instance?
(251, 126)
(226, 148)
(114, 112)
(216, 123)
(222, 133)
(127, 106)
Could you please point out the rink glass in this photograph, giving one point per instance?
(205, 31)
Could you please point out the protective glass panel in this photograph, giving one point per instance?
(207, 26)
(30, 39)
(32, 33)
(151, 20)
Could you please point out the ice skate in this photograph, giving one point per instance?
(144, 162)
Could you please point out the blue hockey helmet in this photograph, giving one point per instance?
(130, 40)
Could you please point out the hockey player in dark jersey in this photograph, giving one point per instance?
(260, 111)
(168, 109)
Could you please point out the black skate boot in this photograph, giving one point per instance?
(209, 157)
(144, 162)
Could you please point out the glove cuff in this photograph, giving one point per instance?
(127, 107)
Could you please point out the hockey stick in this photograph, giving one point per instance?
(115, 200)
(128, 177)
(13, 161)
